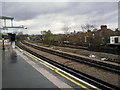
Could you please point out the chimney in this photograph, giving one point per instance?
(103, 27)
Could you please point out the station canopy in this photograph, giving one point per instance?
(4, 17)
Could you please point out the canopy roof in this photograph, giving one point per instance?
(4, 17)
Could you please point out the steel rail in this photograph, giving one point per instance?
(105, 66)
(96, 82)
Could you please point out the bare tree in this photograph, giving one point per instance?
(46, 32)
(20, 33)
(66, 28)
(87, 27)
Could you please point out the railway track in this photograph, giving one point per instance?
(105, 66)
(98, 83)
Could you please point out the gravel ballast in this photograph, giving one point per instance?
(101, 74)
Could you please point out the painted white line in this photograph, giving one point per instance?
(45, 73)
(62, 70)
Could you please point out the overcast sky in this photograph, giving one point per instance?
(39, 16)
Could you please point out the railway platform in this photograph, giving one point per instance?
(22, 70)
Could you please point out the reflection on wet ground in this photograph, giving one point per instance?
(0, 68)
(13, 57)
(17, 73)
(10, 55)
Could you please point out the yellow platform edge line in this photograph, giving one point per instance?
(57, 71)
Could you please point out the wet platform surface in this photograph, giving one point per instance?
(17, 73)
(21, 71)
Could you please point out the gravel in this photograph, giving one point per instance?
(101, 74)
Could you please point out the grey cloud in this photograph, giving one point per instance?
(53, 15)
(98, 7)
(29, 10)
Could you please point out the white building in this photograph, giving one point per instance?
(114, 39)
